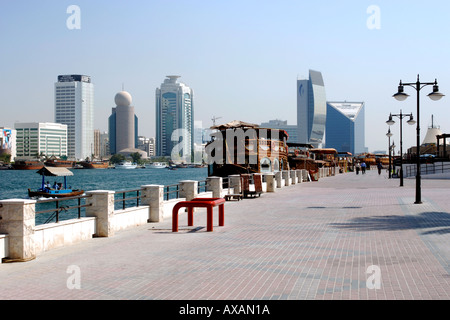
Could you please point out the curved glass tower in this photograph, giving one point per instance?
(174, 115)
(311, 109)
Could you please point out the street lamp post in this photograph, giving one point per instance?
(389, 135)
(391, 122)
(401, 96)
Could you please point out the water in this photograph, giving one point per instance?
(14, 184)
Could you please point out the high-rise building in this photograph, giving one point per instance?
(291, 130)
(104, 145)
(174, 119)
(345, 129)
(36, 138)
(123, 124)
(74, 106)
(311, 109)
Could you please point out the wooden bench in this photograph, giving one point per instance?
(208, 203)
(235, 196)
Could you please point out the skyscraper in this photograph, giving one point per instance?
(174, 110)
(123, 124)
(311, 109)
(74, 106)
(291, 130)
(345, 129)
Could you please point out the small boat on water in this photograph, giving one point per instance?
(157, 165)
(58, 190)
(125, 165)
(95, 164)
(54, 162)
(27, 165)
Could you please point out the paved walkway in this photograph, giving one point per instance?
(313, 240)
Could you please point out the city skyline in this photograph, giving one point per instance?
(243, 59)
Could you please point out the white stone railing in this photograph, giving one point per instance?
(22, 240)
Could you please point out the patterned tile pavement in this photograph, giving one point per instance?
(348, 237)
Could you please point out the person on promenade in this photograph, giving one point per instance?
(379, 166)
(357, 167)
(363, 168)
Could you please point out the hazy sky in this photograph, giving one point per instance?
(242, 58)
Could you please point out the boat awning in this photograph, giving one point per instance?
(55, 172)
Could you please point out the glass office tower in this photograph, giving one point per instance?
(74, 106)
(345, 129)
(311, 109)
(174, 110)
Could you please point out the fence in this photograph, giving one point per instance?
(59, 208)
(101, 213)
(410, 170)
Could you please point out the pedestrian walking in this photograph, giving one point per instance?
(357, 167)
(379, 166)
(363, 168)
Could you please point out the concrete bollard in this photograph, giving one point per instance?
(286, 177)
(189, 189)
(18, 221)
(154, 198)
(278, 179)
(234, 182)
(102, 207)
(305, 175)
(215, 185)
(270, 182)
(299, 175)
(293, 175)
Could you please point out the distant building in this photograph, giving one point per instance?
(311, 109)
(292, 130)
(147, 145)
(123, 125)
(345, 127)
(74, 107)
(34, 139)
(104, 145)
(8, 142)
(96, 143)
(174, 110)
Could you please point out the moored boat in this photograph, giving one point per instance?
(125, 165)
(157, 165)
(58, 190)
(53, 162)
(27, 165)
(96, 164)
(240, 148)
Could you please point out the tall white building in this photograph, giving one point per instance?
(74, 106)
(174, 119)
(36, 138)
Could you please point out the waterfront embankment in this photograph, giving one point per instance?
(343, 237)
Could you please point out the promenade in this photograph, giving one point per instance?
(309, 241)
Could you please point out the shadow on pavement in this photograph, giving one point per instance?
(428, 222)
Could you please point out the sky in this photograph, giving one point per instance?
(241, 58)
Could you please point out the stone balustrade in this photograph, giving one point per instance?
(22, 240)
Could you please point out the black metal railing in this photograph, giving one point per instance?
(171, 191)
(428, 168)
(62, 205)
(123, 197)
(202, 185)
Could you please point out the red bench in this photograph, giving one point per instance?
(208, 203)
